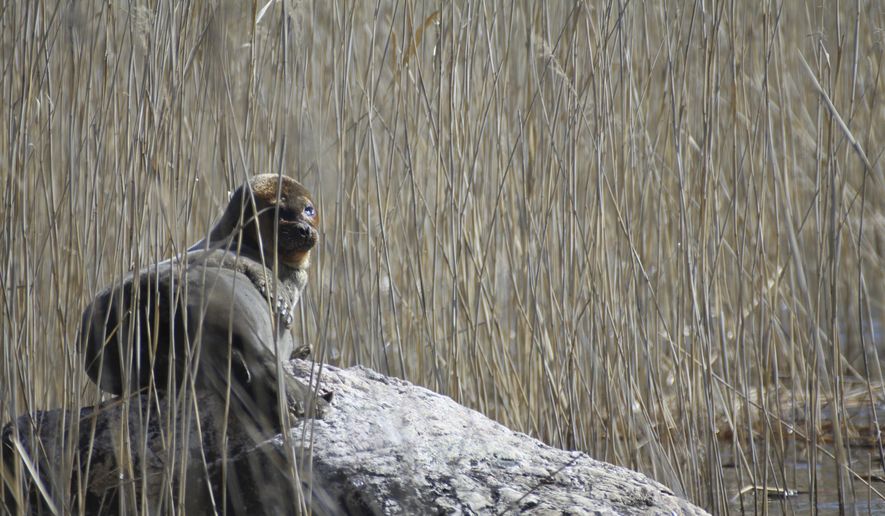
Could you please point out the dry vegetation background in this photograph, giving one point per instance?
(653, 231)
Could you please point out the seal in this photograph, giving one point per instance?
(218, 314)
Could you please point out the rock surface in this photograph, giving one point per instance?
(384, 446)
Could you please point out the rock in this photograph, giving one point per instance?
(384, 446)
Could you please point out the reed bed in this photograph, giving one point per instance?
(650, 231)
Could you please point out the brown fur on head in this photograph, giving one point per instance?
(282, 199)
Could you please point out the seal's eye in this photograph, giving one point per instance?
(309, 211)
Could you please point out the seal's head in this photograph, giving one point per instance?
(272, 213)
(286, 220)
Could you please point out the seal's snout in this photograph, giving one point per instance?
(307, 234)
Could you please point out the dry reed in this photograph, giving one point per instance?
(651, 231)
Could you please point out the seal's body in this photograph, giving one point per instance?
(216, 317)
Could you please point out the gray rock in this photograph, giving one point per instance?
(384, 446)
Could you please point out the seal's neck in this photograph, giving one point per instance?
(230, 224)
(224, 245)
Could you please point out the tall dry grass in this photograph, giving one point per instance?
(651, 231)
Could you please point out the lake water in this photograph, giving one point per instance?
(860, 497)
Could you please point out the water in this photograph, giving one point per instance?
(860, 497)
